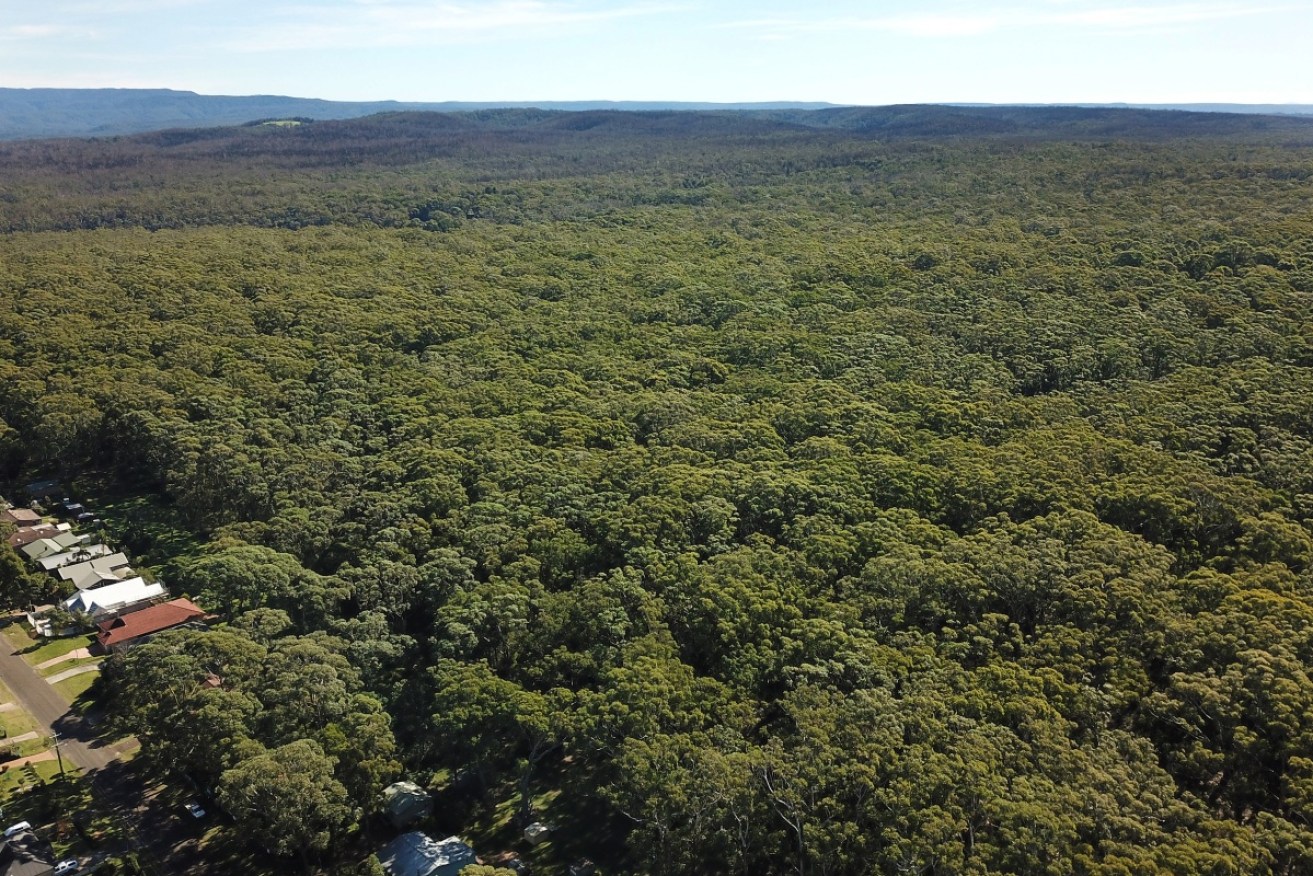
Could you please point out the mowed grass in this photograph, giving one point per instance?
(18, 635)
(15, 779)
(74, 688)
(65, 665)
(16, 722)
(35, 650)
(39, 652)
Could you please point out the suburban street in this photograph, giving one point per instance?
(78, 744)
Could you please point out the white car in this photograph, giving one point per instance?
(63, 868)
(17, 828)
(195, 809)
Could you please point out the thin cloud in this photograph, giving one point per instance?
(369, 23)
(32, 31)
(1136, 17)
(114, 8)
(1060, 14)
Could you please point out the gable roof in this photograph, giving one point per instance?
(416, 854)
(113, 596)
(78, 554)
(94, 578)
(54, 543)
(146, 622)
(106, 563)
(20, 517)
(29, 534)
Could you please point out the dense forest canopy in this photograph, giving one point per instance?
(817, 500)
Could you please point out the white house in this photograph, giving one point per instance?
(112, 597)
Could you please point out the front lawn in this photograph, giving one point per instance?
(65, 665)
(14, 780)
(15, 722)
(37, 652)
(73, 688)
(17, 633)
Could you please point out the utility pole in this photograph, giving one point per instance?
(60, 755)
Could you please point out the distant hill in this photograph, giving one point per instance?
(27, 113)
(1065, 122)
(505, 140)
(1271, 109)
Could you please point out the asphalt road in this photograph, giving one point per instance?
(159, 831)
(78, 742)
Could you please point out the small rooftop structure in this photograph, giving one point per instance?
(128, 629)
(416, 854)
(405, 803)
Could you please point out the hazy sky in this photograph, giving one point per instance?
(844, 51)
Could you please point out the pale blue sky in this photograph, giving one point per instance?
(844, 51)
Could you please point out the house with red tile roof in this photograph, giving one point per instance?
(28, 534)
(130, 629)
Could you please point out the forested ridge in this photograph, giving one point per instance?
(741, 496)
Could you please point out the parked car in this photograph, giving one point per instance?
(63, 868)
(195, 809)
(17, 828)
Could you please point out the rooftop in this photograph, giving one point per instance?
(146, 622)
(29, 534)
(20, 517)
(416, 854)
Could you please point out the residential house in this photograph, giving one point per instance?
(416, 854)
(114, 565)
(405, 803)
(131, 629)
(94, 578)
(79, 554)
(25, 536)
(54, 544)
(20, 517)
(101, 601)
